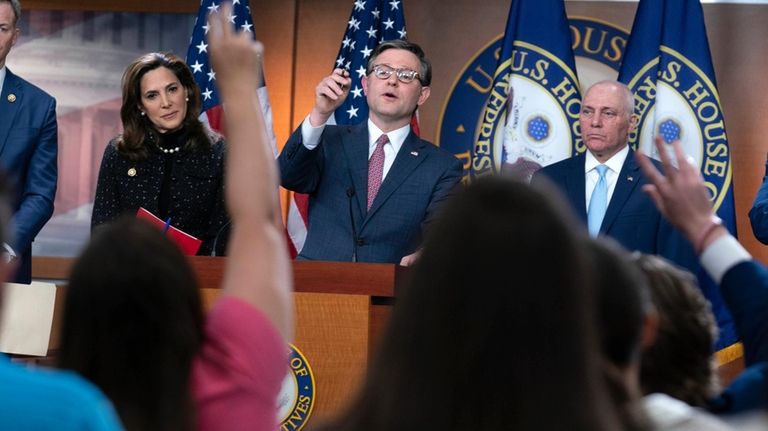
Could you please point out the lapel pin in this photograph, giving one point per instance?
(132, 172)
(414, 153)
(11, 97)
(630, 179)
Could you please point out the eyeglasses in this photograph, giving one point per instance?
(406, 76)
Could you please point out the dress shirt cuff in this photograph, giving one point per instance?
(723, 254)
(310, 135)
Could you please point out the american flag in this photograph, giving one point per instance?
(371, 22)
(199, 61)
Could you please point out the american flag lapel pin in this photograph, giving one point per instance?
(630, 178)
(414, 153)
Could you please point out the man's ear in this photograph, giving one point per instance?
(364, 82)
(633, 120)
(15, 37)
(423, 96)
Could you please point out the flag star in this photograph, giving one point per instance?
(352, 111)
(354, 23)
(389, 24)
(211, 75)
(207, 94)
(402, 33)
(231, 18)
(360, 72)
(375, 13)
(202, 47)
(197, 67)
(213, 7)
(346, 42)
(366, 52)
(352, 45)
(247, 26)
(348, 65)
(206, 27)
(234, 2)
(394, 4)
(360, 5)
(371, 32)
(340, 62)
(357, 92)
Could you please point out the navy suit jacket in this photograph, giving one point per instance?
(28, 151)
(631, 217)
(335, 175)
(745, 290)
(758, 214)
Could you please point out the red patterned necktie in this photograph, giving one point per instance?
(376, 169)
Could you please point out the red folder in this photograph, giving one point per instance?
(188, 243)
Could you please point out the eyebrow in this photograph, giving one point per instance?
(164, 88)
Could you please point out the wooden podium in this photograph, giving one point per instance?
(341, 309)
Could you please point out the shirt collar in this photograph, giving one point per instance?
(615, 163)
(396, 137)
(2, 77)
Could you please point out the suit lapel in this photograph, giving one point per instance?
(408, 158)
(575, 184)
(11, 89)
(355, 144)
(626, 182)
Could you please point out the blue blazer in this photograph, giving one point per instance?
(745, 290)
(631, 217)
(28, 151)
(335, 175)
(758, 214)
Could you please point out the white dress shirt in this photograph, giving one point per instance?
(614, 165)
(2, 77)
(310, 136)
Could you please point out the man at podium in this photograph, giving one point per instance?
(373, 186)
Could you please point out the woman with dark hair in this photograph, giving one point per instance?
(132, 321)
(166, 160)
(495, 330)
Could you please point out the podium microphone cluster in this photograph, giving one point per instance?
(350, 195)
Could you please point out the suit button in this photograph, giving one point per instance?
(174, 179)
(360, 242)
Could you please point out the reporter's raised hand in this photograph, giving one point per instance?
(679, 193)
(257, 269)
(235, 56)
(330, 93)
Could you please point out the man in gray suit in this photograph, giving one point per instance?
(374, 186)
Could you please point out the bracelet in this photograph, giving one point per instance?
(714, 222)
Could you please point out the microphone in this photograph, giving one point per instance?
(350, 195)
(216, 238)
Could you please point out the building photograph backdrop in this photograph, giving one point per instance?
(77, 52)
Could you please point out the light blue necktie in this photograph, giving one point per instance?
(598, 203)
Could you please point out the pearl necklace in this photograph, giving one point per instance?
(170, 150)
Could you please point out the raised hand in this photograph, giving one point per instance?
(330, 93)
(236, 58)
(679, 193)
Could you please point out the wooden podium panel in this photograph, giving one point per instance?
(332, 331)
